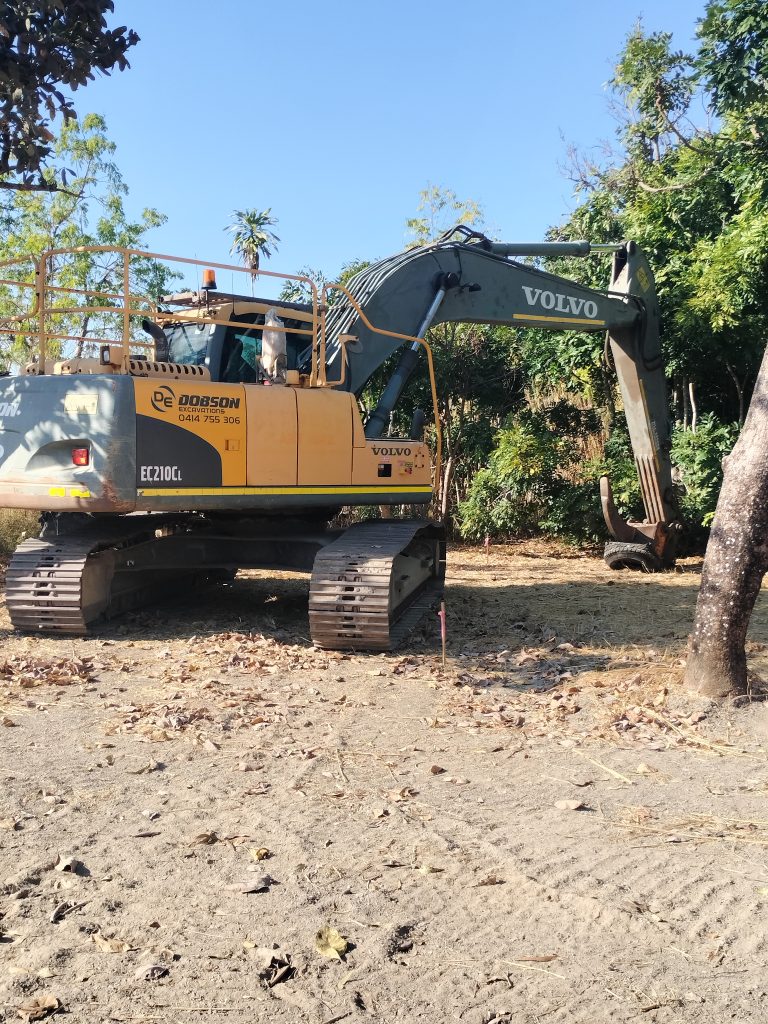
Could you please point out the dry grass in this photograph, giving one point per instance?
(15, 524)
(692, 827)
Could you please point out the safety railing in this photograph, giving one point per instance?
(108, 316)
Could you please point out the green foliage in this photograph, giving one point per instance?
(15, 525)
(300, 291)
(695, 197)
(689, 182)
(618, 463)
(43, 45)
(733, 54)
(90, 213)
(699, 457)
(536, 480)
(657, 85)
(441, 209)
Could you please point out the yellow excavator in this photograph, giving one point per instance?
(210, 431)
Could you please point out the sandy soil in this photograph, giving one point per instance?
(548, 830)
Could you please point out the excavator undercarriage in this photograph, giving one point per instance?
(369, 585)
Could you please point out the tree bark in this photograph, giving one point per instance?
(685, 404)
(736, 560)
(445, 493)
(739, 392)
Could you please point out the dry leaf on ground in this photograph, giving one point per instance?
(274, 965)
(548, 958)
(61, 910)
(398, 795)
(38, 1007)
(151, 972)
(113, 945)
(570, 805)
(260, 883)
(205, 839)
(329, 943)
(150, 766)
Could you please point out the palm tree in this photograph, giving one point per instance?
(253, 237)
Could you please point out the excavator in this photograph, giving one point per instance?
(226, 431)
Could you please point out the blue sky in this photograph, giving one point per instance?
(336, 115)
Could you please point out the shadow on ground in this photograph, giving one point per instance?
(487, 614)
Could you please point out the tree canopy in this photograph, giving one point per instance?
(44, 45)
(253, 237)
(91, 212)
(686, 177)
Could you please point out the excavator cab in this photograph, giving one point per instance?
(224, 333)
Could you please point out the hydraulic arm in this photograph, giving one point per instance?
(475, 280)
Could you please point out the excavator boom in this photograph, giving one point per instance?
(475, 280)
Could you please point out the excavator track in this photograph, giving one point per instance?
(371, 587)
(64, 584)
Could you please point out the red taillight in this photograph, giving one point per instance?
(80, 457)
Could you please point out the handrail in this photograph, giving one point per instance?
(400, 337)
(22, 284)
(128, 304)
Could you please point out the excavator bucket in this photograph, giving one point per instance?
(643, 546)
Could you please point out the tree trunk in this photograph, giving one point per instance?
(685, 404)
(739, 392)
(736, 560)
(445, 494)
(694, 407)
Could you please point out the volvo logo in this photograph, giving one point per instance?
(560, 303)
(390, 451)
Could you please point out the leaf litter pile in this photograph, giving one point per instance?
(313, 884)
(29, 672)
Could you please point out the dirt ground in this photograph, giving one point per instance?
(548, 830)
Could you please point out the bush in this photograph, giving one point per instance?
(536, 481)
(15, 524)
(699, 457)
(575, 514)
(618, 464)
